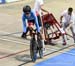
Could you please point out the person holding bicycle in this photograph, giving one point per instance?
(29, 20)
(38, 11)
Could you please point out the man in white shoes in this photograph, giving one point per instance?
(67, 20)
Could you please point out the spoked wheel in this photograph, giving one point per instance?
(33, 49)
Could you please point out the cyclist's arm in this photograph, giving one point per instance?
(24, 23)
(36, 22)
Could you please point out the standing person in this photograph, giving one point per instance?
(38, 10)
(67, 20)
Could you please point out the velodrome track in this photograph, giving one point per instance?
(15, 50)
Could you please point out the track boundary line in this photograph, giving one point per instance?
(14, 41)
(7, 33)
(12, 54)
(49, 54)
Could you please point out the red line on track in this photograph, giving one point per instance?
(12, 54)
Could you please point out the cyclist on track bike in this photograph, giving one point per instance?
(29, 19)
